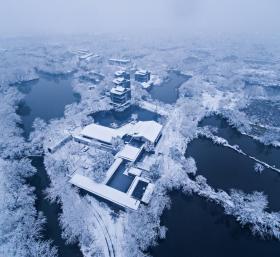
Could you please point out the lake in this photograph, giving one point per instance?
(114, 118)
(167, 91)
(198, 228)
(268, 154)
(46, 98)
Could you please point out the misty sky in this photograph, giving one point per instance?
(31, 17)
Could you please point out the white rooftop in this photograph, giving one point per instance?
(104, 134)
(105, 192)
(119, 60)
(141, 72)
(120, 72)
(150, 130)
(147, 129)
(112, 169)
(135, 171)
(98, 132)
(129, 153)
(119, 80)
(119, 90)
(146, 85)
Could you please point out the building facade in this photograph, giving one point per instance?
(120, 97)
(142, 76)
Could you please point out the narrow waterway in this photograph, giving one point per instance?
(46, 98)
(52, 230)
(167, 92)
(198, 228)
(226, 169)
(268, 154)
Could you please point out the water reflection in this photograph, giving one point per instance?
(198, 228)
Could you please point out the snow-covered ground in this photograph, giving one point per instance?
(225, 80)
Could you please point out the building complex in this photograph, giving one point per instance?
(126, 183)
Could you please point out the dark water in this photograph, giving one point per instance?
(139, 190)
(268, 154)
(167, 92)
(227, 169)
(107, 118)
(45, 98)
(198, 228)
(120, 181)
(51, 211)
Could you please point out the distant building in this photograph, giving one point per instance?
(120, 97)
(142, 76)
(122, 74)
(119, 61)
(122, 82)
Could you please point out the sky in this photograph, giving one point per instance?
(44, 17)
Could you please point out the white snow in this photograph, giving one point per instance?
(150, 130)
(102, 133)
(129, 153)
(105, 192)
(118, 90)
(134, 171)
(112, 169)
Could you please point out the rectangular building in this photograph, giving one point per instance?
(142, 76)
(120, 97)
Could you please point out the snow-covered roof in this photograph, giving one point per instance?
(105, 191)
(120, 73)
(95, 131)
(141, 72)
(119, 60)
(147, 129)
(146, 198)
(104, 134)
(135, 171)
(116, 164)
(119, 90)
(129, 153)
(119, 80)
(146, 85)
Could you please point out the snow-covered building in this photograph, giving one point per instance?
(122, 82)
(144, 131)
(104, 191)
(114, 61)
(103, 134)
(122, 74)
(120, 97)
(138, 189)
(130, 153)
(142, 76)
(125, 183)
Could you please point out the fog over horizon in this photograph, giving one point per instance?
(52, 17)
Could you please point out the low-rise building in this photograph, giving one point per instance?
(125, 184)
(114, 61)
(142, 76)
(144, 131)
